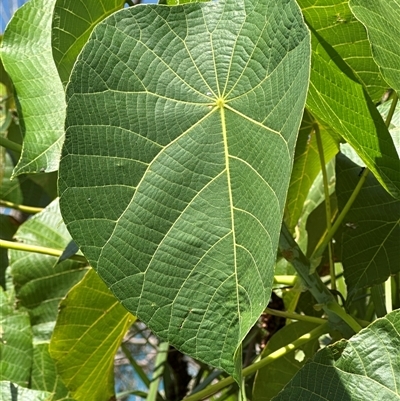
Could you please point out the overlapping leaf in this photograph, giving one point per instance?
(370, 241)
(16, 342)
(11, 392)
(73, 21)
(339, 99)
(335, 23)
(381, 18)
(40, 284)
(27, 57)
(306, 166)
(181, 127)
(89, 330)
(366, 367)
(39, 281)
(271, 379)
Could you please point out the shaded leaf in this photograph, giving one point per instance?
(272, 378)
(366, 367)
(89, 330)
(370, 240)
(175, 142)
(381, 18)
(9, 189)
(27, 57)
(306, 166)
(16, 342)
(335, 23)
(73, 22)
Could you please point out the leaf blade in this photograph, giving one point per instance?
(29, 62)
(191, 194)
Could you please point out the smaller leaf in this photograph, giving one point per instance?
(381, 18)
(271, 379)
(16, 342)
(306, 166)
(44, 374)
(27, 57)
(370, 240)
(89, 330)
(40, 281)
(73, 21)
(366, 367)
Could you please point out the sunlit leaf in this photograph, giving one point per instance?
(381, 18)
(271, 379)
(338, 99)
(366, 367)
(89, 330)
(73, 21)
(181, 127)
(336, 24)
(11, 392)
(27, 57)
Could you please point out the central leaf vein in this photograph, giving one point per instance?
(228, 177)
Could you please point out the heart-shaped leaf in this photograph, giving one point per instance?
(181, 128)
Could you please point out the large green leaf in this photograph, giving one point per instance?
(337, 98)
(370, 240)
(16, 341)
(336, 24)
(181, 127)
(89, 330)
(381, 18)
(73, 21)
(272, 378)
(366, 367)
(27, 57)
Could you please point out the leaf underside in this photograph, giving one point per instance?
(181, 126)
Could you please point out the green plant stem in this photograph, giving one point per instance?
(339, 311)
(207, 392)
(319, 250)
(135, 366)
(158, 371)
(285, 280)
(293, 254)
(295, 316)
(18, 246)
(22, 208)
(6, 143)
(392, 109)
(378, 299)
(328, 210)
